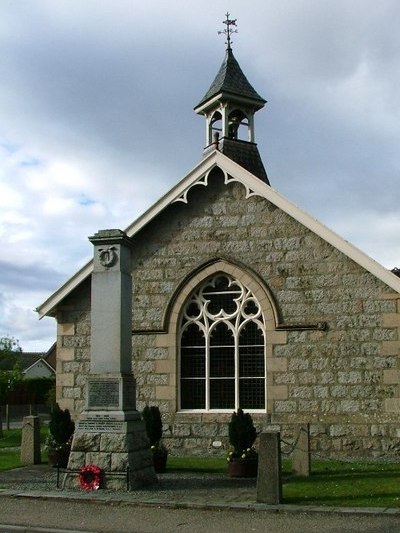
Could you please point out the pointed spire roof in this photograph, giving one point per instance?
(231, 81)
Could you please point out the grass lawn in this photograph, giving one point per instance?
(358, 484)
(207, 464)
(9, 459)
(12, 439)
(196, 464)
(333, 483)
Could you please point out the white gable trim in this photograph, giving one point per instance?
(40, 360)
(47, 307)
(316, 227)
(254, 186)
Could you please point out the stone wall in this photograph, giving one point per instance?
(343, 380)
(73, 349)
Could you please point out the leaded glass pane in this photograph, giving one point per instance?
(252, 393)
(222, 335)
(222, 393)
(192, 336)
(193, 393)
(222, 361)
(251, 308)
(251, 361)
(251, 334)
(193, 310)
(193, 363)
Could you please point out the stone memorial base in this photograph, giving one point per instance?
(111, 436)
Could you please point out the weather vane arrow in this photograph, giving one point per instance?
(228, 30)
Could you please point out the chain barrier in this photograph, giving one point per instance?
(292, 445)
(314, 454)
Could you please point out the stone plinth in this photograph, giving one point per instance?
(111, 434)
(301, 453)
(30, 442)
(269, 481)
(113, 444)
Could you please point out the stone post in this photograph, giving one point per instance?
(301, 454)
(30, 441)
(269, 481)
(110, 432)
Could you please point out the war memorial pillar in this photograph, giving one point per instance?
(110, 432)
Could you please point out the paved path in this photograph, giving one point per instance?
(102, 517)
(179, 503)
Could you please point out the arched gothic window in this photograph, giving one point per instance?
(222, 348)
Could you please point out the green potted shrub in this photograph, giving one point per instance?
(153, 423)
(243, 458)
(59, 438)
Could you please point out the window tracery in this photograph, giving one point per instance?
(222, 348)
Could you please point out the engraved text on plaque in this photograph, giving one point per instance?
(104, 393)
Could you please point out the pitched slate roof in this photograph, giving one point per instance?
(39, 360)
(29, 359)
(254, 186)
(26, 360)
(246, 154)
(231, 80)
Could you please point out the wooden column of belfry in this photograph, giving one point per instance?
(110, 432)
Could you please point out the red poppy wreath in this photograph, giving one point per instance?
(90, 477)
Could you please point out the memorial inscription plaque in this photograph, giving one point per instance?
(100, 425)
(103, 394)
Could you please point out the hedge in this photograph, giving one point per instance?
(30, 391)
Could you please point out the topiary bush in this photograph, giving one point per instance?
(153, 423)
(61, 426)
(152, 420)
(242, 433)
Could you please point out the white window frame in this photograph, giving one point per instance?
(207, 322)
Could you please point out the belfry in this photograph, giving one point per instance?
(229, 106)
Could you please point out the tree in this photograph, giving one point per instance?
(10, 369)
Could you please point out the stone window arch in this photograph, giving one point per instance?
(222, 337)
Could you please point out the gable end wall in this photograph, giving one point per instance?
(344, 381)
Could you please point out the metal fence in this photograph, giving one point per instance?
(12, 415)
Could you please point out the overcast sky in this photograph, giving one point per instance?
(97, 122)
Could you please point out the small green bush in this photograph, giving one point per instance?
(30, 391)
(242, 432)
(61, 426)
(152, 420)
(51, 396)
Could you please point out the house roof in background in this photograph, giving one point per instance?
(29, 359)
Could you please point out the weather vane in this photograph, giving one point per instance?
(228, 30)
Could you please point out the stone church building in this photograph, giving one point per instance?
(241, 299)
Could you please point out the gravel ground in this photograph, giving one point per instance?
(188, 503)
(172, 487)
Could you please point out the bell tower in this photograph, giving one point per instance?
(229, 106)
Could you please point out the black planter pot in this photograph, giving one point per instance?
(243, 468)
(59, 457)
(160, 460)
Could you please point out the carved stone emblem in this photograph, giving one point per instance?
(108, 256)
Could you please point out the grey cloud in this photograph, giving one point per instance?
(111, 90)
(31, 277)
